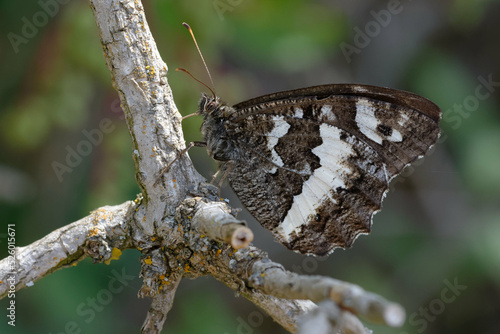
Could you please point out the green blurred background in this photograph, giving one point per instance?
(440, 223)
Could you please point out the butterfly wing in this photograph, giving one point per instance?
(315, 163)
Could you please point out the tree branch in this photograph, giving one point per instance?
(273, 279)
(213, 221)
(139, 76)
(95, 235)
(328, 318)
(161, 304)
(181, 227)
(267, 284)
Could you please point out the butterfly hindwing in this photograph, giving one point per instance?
(312, 165)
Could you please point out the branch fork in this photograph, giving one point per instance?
(179, 225)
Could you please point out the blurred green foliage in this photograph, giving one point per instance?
(441, 222)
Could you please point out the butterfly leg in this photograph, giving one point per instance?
(190, 115)
(179, 154)
(226, 173)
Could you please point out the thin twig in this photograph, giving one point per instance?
(271, 278)
(328, 318)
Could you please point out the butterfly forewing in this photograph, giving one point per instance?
(312, 165)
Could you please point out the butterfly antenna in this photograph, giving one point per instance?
(202, 59)
(192, 76)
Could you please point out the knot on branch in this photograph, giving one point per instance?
(98, 249)
(242, 263)
(108, 235)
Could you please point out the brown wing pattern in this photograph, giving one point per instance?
(314, 164)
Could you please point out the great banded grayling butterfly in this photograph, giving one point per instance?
(312, 165)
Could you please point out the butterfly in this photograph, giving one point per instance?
(313, 165)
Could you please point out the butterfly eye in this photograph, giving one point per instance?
(210, 106)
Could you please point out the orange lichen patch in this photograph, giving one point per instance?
(115, 255)
(148, 261)
(93, 232)
(153, 238)
(162, 277)
(197, 260)
(218, 252)
(186, 268)
(54, 258)
(101, 214)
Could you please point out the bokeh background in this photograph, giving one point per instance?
(440, 223)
